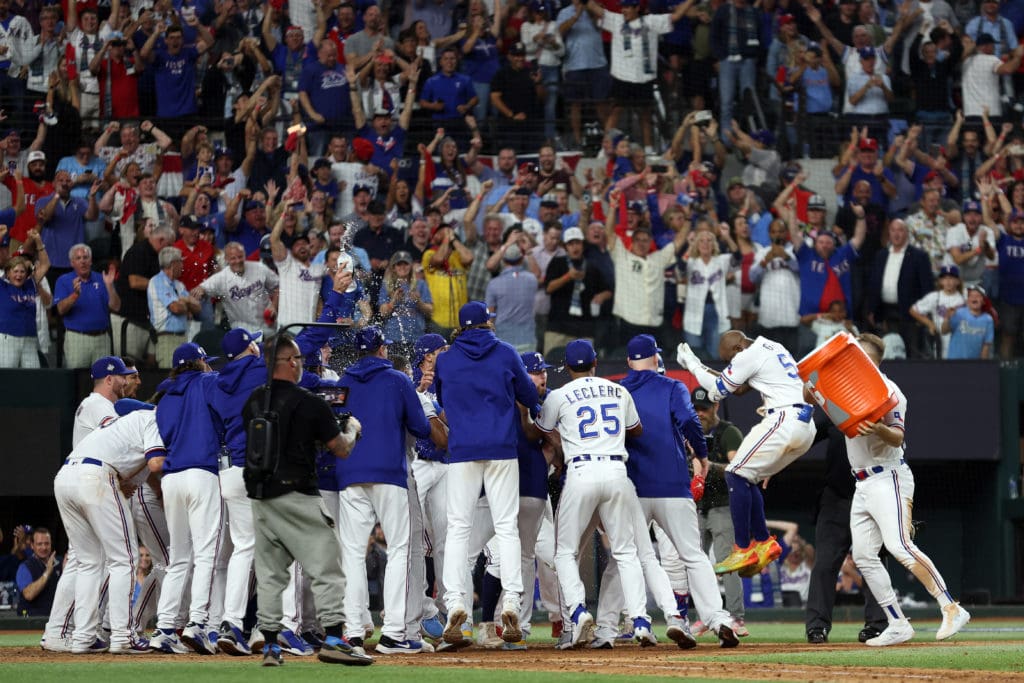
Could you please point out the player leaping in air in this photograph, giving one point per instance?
(783, 435)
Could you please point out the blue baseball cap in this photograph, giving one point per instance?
(237, 341)
(579, 352)
(474, 313)
(642, 346)
(428, 343)
(949, 270)
(111, 365)
(534, 361)
(371, 338)
(251, 204)
(971, 205)
(190, 351)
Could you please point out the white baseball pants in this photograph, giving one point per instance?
(432, 488)
(420, 605)
(243, 538)
(361, 506)
(601, 486)
(151, 525)
(192, 504)
(61, 624)
(531, 514)
(771, 444)
(500, 479)
(96, 516)
(881, 515)
(545, 552)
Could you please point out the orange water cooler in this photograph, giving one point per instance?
(845, 383)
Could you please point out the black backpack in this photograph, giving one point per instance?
(265, 436)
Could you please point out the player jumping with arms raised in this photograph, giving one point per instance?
(783, 435)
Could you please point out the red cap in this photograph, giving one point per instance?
(786, 19)
(385, 58)
(930, 176)
(363, 149)
(293, 27)
(869, 144)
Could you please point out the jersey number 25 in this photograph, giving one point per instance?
(588, 420)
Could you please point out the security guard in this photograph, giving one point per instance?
(290, 518)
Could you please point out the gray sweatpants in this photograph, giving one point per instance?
(717, 533)
(296, 527)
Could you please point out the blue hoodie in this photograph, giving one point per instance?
(385, 402)
(325, 460)
(533, 467)
(337, 305)
(188, 427)
(657, 458)
(479, 380)
(235, 384)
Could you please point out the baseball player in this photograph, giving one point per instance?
(94, 512)
(784, 434)
(658, 466)
(881, 515)
(244, 372)
(479, 380)
(109, 375)
(373, 485)
(594, 416)
(192, 501)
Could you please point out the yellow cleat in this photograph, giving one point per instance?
(767, 551)
(740, 558)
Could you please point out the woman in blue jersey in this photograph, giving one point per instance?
(20, 287)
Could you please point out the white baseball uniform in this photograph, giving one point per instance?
(787, 431)
(92, 411)
(592, 416)
(881, 512)
(95, 514)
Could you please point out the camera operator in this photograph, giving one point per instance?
(290, 519)
(777, 271)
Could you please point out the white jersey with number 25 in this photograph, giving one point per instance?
(769, 368)
(592, 415)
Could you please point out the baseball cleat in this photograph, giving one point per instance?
(564, 641)
(488, 637)
(166, 641)
(135, 646)
(582, 626)
(510, 631)
(445, 646)
(739, 627)
(739, 558)
(767, 551)
(197, 637)
(520, 645)
(56, 645)
(272, 655)
(679, 633)
(340, 651)
(232, 641)
(727, 637)
(818, 636)
(601, 644)
(899, 631)
(432, 627)
(954, 618)
(643, 633)
(453, 629)
(313, 639)
(699, 628)
(389, 646)
(98, 647)
(256, 641)
(293, 645)
(867, 633)
(425, 646)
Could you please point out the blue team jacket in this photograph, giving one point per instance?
(385, 402)
(235, 384)
(479, 380)
(533, 468)
(325, 460)
(657, 458)
(188, 427)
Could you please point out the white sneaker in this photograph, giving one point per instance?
(165, 640)
(197, 637)
(582, 626)
(564, 641)
(488, 637)
(899, 631)
(954, 618)
(510, 630)
(56, 645)
(601, 644)
(453, 629)
(679, 632)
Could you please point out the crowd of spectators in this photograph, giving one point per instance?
(195, 166)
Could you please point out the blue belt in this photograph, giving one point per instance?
(586, 457)
(805, 414)
(861, 475)
(84, 461)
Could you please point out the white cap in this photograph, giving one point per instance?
(35, 156)
(572, 234)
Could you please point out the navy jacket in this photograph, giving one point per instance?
(235, 383)
(657, 458)
(188, 426)
(915, 280)
(533, 467)
(385, 402)
(479, 380)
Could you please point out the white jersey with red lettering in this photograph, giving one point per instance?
(592, 415)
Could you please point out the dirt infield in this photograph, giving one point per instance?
(628, 660)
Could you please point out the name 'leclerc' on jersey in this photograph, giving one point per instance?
(599, 391)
